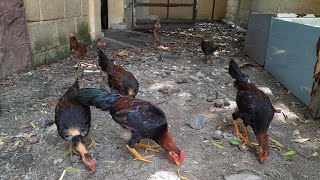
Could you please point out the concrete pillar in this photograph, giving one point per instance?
(94, 19)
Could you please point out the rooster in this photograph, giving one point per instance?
(78, 49)
(254, 108)
(73, 123)
(119, 79)
(142, 118)
(208, 47)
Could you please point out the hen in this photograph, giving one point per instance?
(156, 28)
(142, 118)
(208, 47)
(254, 108)
(73, 123)
(119, 79)
(78, 49)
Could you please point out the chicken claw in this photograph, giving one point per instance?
(138, 156)
(246, 140)
(238, 134)
(93, 143)
(147, 147)
(71, 151)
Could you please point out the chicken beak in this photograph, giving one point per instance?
(131, 93)
(178, 163)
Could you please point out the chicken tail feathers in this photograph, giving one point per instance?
(236, 73)
(104, 61)
(96, 97)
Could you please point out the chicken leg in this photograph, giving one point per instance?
(138, 156)
(70, 151)
(93, 143)
(246, 140)
(236, 130)
(147, 147)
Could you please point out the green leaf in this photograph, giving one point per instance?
(107, 161)
(187, 171)
(2, 142)
(215, 143)
(269, 174)
(3, 134)
(289, 153)
(235, 142)
(70, 170)
(314, 154)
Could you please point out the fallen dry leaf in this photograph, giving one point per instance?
(217, 144)
(180, 176)
(164, 48)
(147, 53)
(289, 153)
(300, 140)
(277, 143)
(102, 43)
(123, 53)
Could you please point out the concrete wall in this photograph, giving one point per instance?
(49, 23)
(115, 12)
(270, 6)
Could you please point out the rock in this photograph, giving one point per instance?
(164, 175)
(184, 95)
(33, 139)
(163, 75)
(180, 81)
(174, 68)
(167, 72)
(200, 75)
(57, 161)
(210, 99)
(125, 135)
(226, 103)
(164, 90)
(243, 147)
(217, 135)
(242, 176)
(175, 91)
(218, 103)
(277, 110)
(156, 73)
(197, 121)
(193, 78)
(219, 95)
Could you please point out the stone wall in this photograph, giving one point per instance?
(270, 6)
(15, 53)
(49, 23)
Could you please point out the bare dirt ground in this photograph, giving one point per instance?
(179, 82)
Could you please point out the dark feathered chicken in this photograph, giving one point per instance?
(254, 108)
(142, 118)
(73, 123)
(119, 79)
(208, 47)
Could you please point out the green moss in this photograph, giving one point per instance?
(57, 53)
(83, 32)
(38, 59)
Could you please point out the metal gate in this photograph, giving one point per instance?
(173, 13)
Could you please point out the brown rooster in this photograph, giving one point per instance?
(78, 49)
(119, 79)
(73, 120)
(254, 108)
(142, 118)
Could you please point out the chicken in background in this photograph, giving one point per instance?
(208, 48)
(73, 120)
(119, 79)
(78, 49)
(142, 118)
(254, 108)
(156, 28)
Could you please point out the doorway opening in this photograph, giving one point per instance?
(104, 14)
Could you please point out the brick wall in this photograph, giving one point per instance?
(270, 6)
(49, 22)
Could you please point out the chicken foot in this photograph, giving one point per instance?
(245, 139)
(236, 130)
(71, 151)
(93, 143)
(138, 156)
(147, 147)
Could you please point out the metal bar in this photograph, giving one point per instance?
(168, 2)
(165, 5)
(213, 5)
(194, 13)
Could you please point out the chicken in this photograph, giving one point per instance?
(142, 118)
(254, 108)
(208, 47)
(119, 79)
(73, 123)
(78, 49)
(156, 28)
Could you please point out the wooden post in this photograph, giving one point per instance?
(314, 105)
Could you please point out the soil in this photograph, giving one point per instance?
(179, 81)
